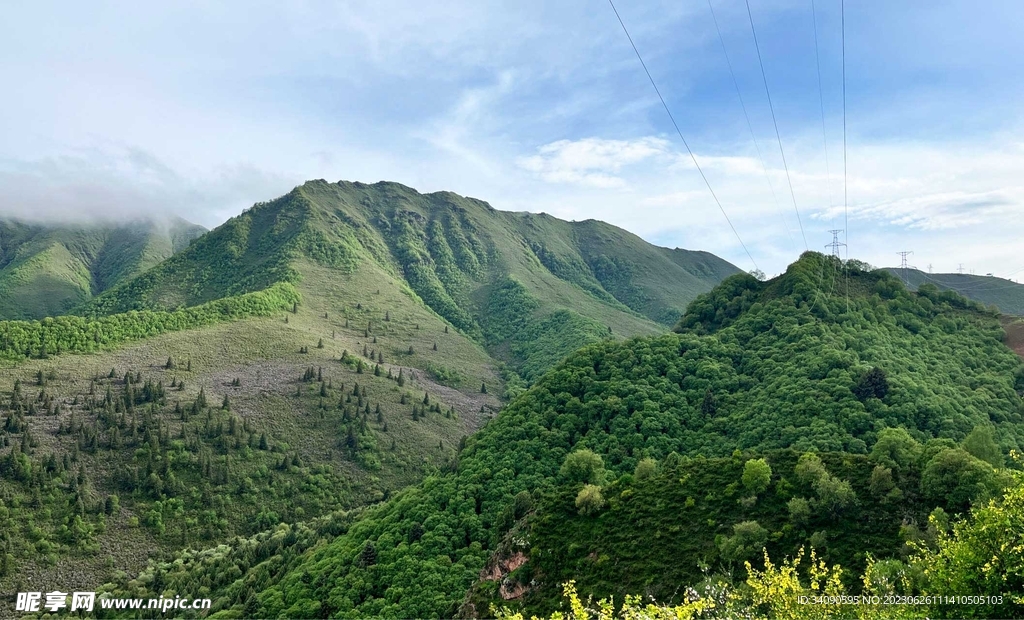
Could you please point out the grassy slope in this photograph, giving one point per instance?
(1006, 295)
(781, 345)
(263, 355)
(44, 270)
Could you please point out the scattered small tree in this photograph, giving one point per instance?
(645, 469)
(757, 475)
(589, 500)
(583, 466)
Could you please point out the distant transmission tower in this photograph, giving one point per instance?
(960, 269)
(904, 266)
(836, 244)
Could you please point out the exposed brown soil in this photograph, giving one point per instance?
(1014, 328)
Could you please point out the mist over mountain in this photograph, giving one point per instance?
(48, 269)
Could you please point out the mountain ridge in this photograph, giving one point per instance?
(1002, 293)
(458, 256)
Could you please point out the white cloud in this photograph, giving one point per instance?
(593, 162)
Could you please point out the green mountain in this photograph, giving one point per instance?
(305, 361)
(1006, 295)
(532, 288)
(776, 415)
(46, 270)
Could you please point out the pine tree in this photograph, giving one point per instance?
(446, 329)
(320, 344)
(387, 315)
(323, 389)
(401, 377)
(411, 351)
(170, 364)
(226, 405)
(263, 442)
(359, 367)
(426, 398)
(295, 307)
(376, 370)
(435, 346)
(483, 388)
(188, 366)
(710, 404)
(368, 556)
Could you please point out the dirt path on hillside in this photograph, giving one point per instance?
(278, 377)
(468, 405)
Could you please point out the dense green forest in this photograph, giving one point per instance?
(781, 414)
(73, 334)
(45, 270)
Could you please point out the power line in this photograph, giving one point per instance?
(757, 147)
(821, 102)
(678, 131)
(846, 217)
(775, 122)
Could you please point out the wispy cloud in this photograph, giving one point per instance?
(591, 161)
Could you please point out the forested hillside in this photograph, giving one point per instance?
(45, 270)
(778, 415)
(1006, 295)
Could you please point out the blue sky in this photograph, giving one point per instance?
(201, 110)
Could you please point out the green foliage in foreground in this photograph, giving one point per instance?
(658, 532)
(970, 570)
(73, 334)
